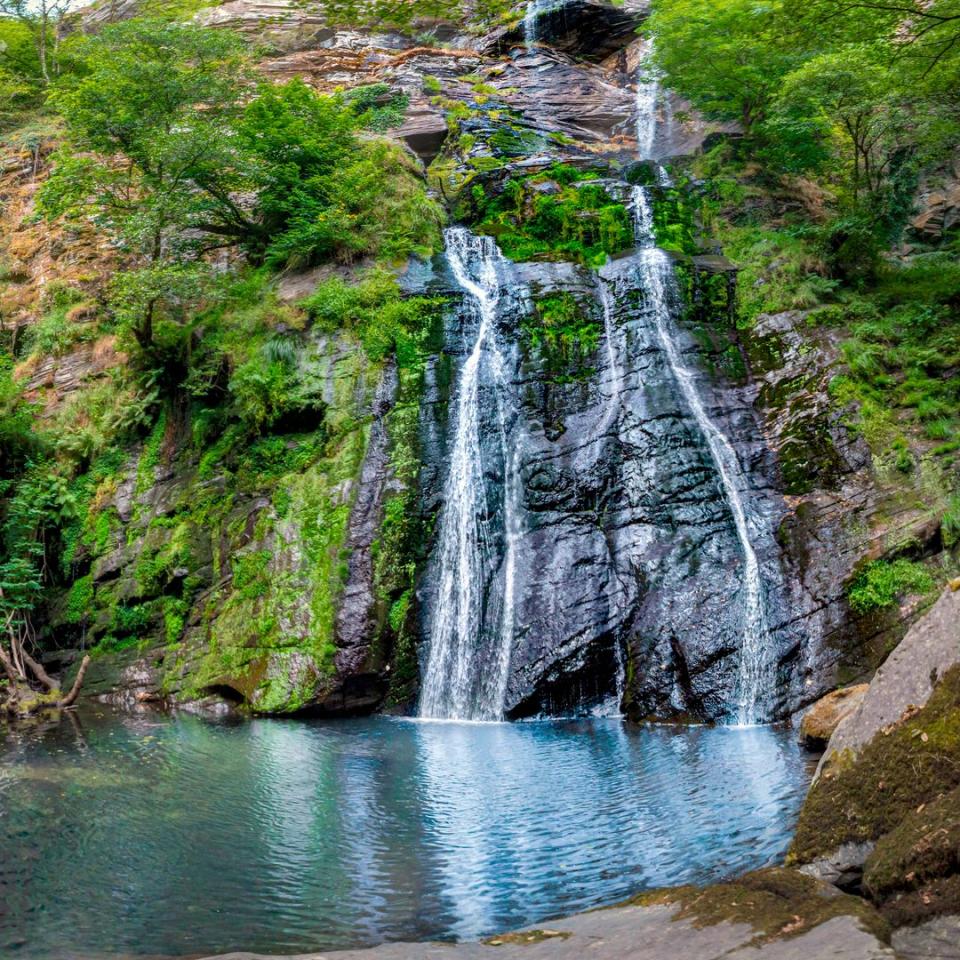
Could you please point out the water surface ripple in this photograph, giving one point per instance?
(126, 835)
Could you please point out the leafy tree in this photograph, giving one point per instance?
(293, 142)
(727, 58)
(924, 35)
(149, 155)
(845, 103)
(41, 18)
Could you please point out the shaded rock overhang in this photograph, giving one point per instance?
(590, 30)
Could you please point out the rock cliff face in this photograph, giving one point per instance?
(282, 597)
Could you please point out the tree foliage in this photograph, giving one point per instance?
(174, 150)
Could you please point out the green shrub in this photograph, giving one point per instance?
(883, 582)
(559, 214)
(563, 335)
(376, 310)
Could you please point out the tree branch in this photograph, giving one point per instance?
(71, 697)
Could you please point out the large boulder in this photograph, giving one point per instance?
(886, 801)
(903, 685)
(821, 720)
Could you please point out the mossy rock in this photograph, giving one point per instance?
(914, 871)
(776, 902)
(902, 767)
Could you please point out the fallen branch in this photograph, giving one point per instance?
(38, 671)
(7, 665)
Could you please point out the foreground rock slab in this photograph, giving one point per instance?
(634, 933)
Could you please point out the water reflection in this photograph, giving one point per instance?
(143, 835)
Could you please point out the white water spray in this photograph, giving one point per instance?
(466, 675)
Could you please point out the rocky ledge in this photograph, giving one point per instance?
(883, 815)
(771, 915)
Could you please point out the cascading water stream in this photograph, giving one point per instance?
(648, 96)
(466, 676)
(660, 285)
(615, 373)
(648, 103)
(531, 19)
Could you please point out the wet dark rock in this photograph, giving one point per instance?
(586, 29)
(628, 549)
(357, 614)
(837, 513)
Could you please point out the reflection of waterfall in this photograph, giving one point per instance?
(660, 286)
(469, 659)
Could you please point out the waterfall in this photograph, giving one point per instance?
(648, 102)
(660, 285)
(466, 674)
(531, 18)
(648, 96)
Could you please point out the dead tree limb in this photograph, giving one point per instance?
(71, 697)
(37, 670)
(7, 665)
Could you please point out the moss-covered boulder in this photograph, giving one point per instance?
(887, 798)
(914, 872)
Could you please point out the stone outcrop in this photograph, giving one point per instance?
(938, 212)
(586, 29)
(904, 683)
(840, 513)
(248, 586)
(937, 939)
(883, 814)
(821, 720)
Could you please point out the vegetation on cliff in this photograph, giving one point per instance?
(204, 184)
(846, 119)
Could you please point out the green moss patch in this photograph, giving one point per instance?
(526, 938)
(936, 899)
(563, 335)
(882, 583)
(899, 770)
(776, 902)
(557, 214)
